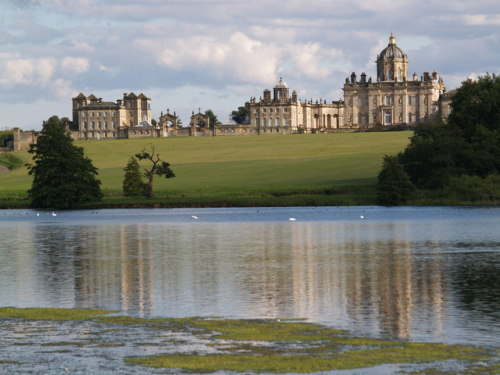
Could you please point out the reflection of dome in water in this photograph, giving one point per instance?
(392, 50)
(281, 84)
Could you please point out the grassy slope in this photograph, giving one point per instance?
(224, 166)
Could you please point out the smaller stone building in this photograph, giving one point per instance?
(129, 117)
(282, 113)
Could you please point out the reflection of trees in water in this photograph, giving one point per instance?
(55, 249)
(476, 276)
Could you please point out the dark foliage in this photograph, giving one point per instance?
(445, 155)
(476, 106)
(63, 177)
(394, 187)
(133, 186)
(241, 115)
(212, 118)
(6, 136)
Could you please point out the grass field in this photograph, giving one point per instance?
(318, 169)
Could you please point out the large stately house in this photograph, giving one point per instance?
(390, 100)
(394, 99)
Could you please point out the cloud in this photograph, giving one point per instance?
(75, 65)
(226, 47)
(238, 57)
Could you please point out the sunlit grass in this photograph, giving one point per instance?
(225, 169)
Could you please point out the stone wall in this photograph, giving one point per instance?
(23, 139)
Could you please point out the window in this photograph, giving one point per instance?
(271, 110)
(277, 122)
(83, 114)
(409, 100)
(93, 124)
(264, 109)
(388, 100)
(105, 124)
(264, 122)
(105, 114)
(85, 125)
(277, 110)
(271, 122)
(285, 109)
(284, 122)
(112, 124)
(91, 114)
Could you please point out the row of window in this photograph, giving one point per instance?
(100, 135)
(272, 122)
(99, 125)
(271, 110)
(387, 118)
(98, 114)
(389, 100)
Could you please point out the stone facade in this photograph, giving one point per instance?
(391, 100)
(129, 117)
(283, 113)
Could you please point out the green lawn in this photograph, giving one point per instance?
(243, 170)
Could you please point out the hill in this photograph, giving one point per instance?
(320, 169)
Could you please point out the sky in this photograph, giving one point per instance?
(188, 55)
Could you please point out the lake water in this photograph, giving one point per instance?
(426, 274)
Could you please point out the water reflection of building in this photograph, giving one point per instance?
(116, 270)
(346, 271)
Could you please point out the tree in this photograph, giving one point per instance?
(241, 115)
(63, 177)
(476, 105)
(133, 185)
(394, 187)
(158, 168)
(212, 118)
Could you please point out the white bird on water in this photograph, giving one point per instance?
(361, 217)
(54, 214)
(292, 219)
(194, 217)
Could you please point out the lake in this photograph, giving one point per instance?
(424, 274)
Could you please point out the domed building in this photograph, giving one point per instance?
(393, 99)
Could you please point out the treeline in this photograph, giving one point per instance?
(453, 161)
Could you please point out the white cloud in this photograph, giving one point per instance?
(75, 65)
(311, 59)
(238, 57)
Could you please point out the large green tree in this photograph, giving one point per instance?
(63, 177)
(467, 144)
(157, 167)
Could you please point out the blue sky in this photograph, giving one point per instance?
(190, 54)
